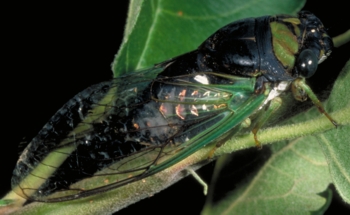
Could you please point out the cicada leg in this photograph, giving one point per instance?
(300, 88)
(275, 104)
(245, 124)
(199, 180)
(212, 151)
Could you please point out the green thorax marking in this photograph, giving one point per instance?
(285, 35)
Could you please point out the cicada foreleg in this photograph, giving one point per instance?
(300, 89)
(275, 104)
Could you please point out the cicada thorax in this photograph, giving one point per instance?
(244, 48)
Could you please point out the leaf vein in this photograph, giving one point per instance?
(316, 163)
(334, 157)
(149, 35)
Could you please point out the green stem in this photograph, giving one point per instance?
(342, 39)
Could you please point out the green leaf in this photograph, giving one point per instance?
(159, 30)
(335, 143)
(289, 182)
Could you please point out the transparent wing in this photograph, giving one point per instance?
(120, 131)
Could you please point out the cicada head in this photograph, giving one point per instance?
(315, 45)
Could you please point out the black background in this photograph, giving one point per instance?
(51, 54)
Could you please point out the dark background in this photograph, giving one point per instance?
(52, 54)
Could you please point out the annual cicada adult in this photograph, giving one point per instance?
(139, 124)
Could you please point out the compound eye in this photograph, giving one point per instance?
(307, 63)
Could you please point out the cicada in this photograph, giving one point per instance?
(137, 125)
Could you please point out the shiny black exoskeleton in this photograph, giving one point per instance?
(246, 48)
